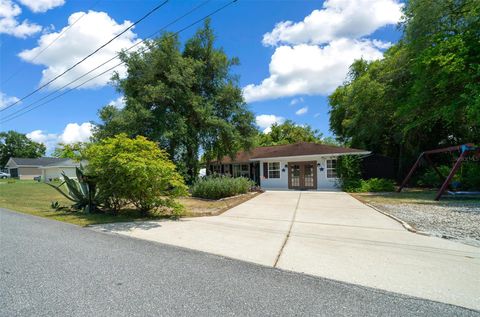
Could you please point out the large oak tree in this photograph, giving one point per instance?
(186, 100)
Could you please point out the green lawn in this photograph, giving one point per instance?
(35, 198)
(413, 196)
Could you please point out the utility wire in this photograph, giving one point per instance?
(111, 59)
(86, 57)
(17, 114)
(65, 30)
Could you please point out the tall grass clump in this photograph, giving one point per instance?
(216, 187)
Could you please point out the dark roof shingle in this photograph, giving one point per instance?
(40, 161)
(297, 149)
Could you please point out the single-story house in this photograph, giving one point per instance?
(292, 166)
(48, 168)
(54, 170)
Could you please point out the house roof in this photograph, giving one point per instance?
(40, 161)
(63, 163)
(297, 149)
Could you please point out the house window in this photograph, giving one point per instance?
(274, 170)
(241, 170)
(331, 168)
(216, 169)
(245, 170)
(226, 169)
(236, 170)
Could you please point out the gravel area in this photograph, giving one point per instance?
(458, 221)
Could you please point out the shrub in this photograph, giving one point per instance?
(220, 187)
(134, 171)
(349, 174)
(369, 185)
(348, 167)
(431, 179)
(468, 176)
(350, 185)
(471, 175)
(377, 185)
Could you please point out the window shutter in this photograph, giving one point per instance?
(265, 170)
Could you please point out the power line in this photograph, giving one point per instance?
(86, 57)
(111, 59)
(18, 114)
(51, 43)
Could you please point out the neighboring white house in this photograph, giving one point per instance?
(292, 166)
(54, 170)
(48, 168)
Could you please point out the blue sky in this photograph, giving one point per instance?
(287, 68)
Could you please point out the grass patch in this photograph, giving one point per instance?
(34, 198)
(413, 196)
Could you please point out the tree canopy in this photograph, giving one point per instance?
(186, 100)
(424, 94)
(73, 151)
(15, 144)
(288, 133)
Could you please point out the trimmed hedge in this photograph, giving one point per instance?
(216, 187)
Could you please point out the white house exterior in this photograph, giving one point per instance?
(301, 166)
(54, 171)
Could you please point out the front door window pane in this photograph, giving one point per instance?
(295, 175)
(309, 174)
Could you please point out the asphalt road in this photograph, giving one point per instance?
(48, 268)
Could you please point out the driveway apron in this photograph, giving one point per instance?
(328, 234)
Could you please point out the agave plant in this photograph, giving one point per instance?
(82, 191)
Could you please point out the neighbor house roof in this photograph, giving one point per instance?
(63, 163)
(40, 161)
(287, 150)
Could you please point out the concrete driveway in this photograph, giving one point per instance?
(328, 234)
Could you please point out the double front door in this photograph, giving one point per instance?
(302, 175)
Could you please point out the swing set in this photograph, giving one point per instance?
(465, 151)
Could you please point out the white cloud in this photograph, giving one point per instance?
(75, 132)
(301, 111)
(72, 133)
(6, 100)
(118, 103)
(42, 5)
(310, 69)
(295, 101)
(50, 140)
(382, 45)
(78, 42)
(312, 57)
(337, 19)
(9, 24)
(265, 121)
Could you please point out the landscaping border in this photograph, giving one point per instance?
(222, 210)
